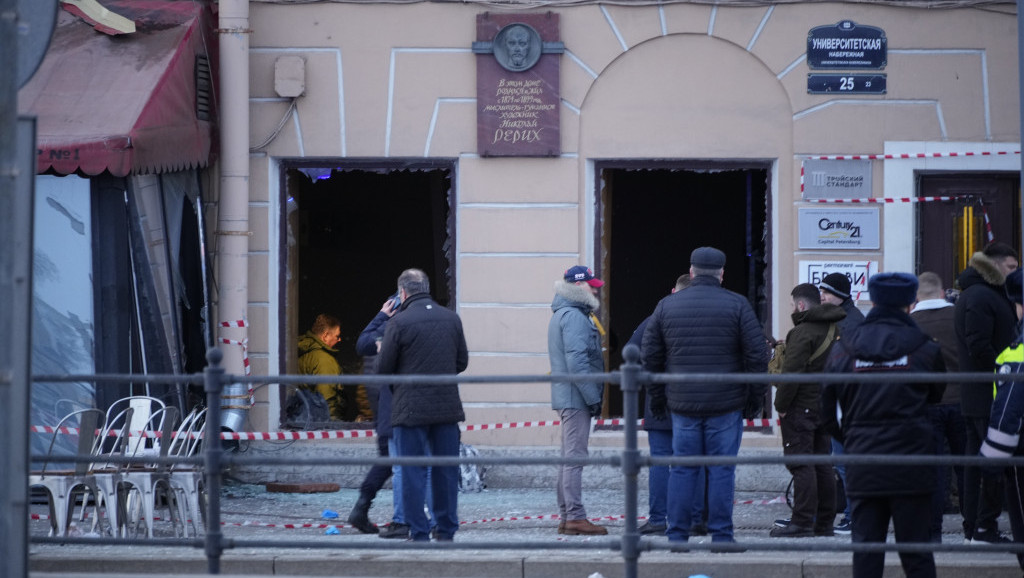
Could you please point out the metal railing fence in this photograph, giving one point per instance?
(630, 378)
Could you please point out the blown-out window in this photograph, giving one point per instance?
(119, 286)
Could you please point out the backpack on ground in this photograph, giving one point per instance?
(471, 476)
(306, 409)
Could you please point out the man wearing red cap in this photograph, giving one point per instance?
(574, 347)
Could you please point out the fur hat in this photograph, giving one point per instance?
(893, 289)
(837, 284)
(707, 258)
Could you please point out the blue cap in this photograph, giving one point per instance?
(581, 273)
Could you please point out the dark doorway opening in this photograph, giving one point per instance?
(981, 208)
(653, 215)
(351, 230)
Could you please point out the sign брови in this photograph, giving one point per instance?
(846, 44)
(858, 272)
(518, 96)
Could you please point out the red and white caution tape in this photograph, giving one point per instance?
(882, 200)
(152, 434)
(539, 517)
(244, 344)
(365, 433)
(298, 435)
(909, 156)
(515, 424)
(989, 235)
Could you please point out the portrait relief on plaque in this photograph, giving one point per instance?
(517, 47)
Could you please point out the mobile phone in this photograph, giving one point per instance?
(397, 298)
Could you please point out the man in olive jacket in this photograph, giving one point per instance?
(815, 329)
(574, 347)
(316, 357)
(425, 338)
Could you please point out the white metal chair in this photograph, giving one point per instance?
(186, 480)
(63, 485)
(143, 483)
(125, 419)
(144, 409)
(105, 475)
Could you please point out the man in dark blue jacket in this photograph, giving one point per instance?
(425, 338)
(368, 345)
(659, 440)
(886, 418)
(704, 329)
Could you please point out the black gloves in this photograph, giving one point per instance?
(594, 409)
(754, 408)
(659, 406)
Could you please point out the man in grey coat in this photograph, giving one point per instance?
(574, 347)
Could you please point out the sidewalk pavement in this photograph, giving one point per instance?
(502, 515)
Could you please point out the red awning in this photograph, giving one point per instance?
(124, 104)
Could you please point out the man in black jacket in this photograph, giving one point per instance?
(934, 315)
(887, 418)
(985, 323)
(425, 338)
(704, 329)
(836, 289)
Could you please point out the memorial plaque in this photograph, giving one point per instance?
(846, 44)
(517, 70)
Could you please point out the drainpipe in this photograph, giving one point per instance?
(233, 207)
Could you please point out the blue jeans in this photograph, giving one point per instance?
(660, 443)
(398, 517)
(718, 435)
(837, 450)
(396, 484)
(949, 428)
(430, 440)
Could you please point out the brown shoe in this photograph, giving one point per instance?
(583, 528)
(561, 527)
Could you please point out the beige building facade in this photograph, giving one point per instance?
(681, 124)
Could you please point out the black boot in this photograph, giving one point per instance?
(359, 518)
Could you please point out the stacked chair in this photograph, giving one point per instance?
(128, 493)
(64, 485)
(186, 480)
(143, 485)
